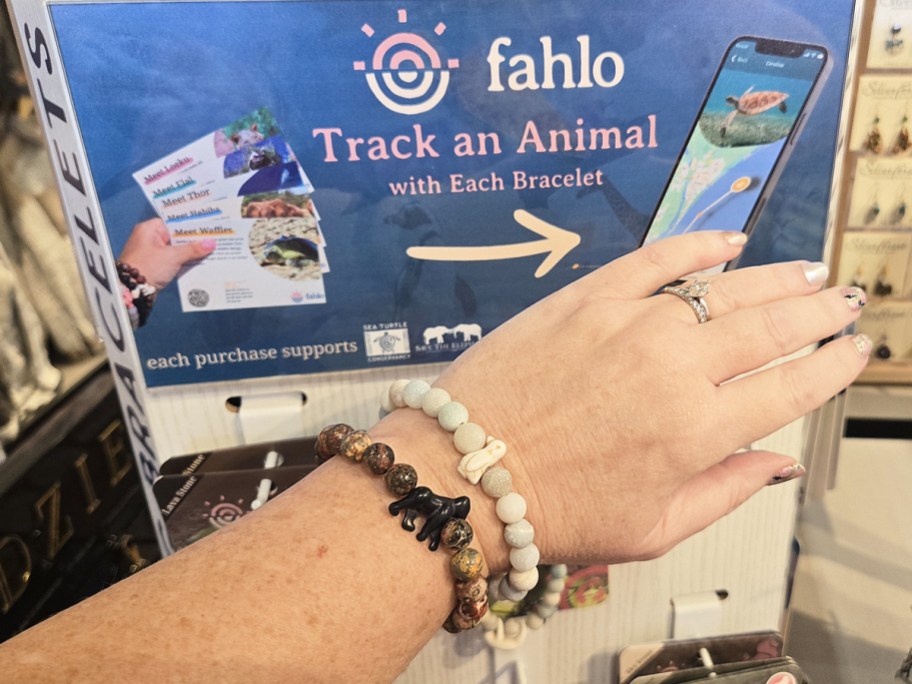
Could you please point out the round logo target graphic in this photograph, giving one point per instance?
(406, 73)
(224, 513)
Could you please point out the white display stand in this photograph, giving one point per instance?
(747, 554)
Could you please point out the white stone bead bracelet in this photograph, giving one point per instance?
(481, 463)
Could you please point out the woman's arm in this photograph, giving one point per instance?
(615, 406)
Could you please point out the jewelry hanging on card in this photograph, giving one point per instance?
(882, 351)
(881, 287)
(905, 669)
(874, 141)
(899, 213)
(894, 42)
(873, 212)
(902, 140)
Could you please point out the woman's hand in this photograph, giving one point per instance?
(149, 250)
(622, 414)
(619, 412)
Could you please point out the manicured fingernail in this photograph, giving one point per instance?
(208, 243)
(863, 344)
(735, 238)
(855, 297)
(815, 272)
(787, 473)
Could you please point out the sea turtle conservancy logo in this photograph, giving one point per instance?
(387, 342)
(406, 73)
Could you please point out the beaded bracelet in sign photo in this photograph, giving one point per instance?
(480, 462)
(444, 518)
(138, 295)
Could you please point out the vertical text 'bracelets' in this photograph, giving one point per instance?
(481, 463)
(444, 519)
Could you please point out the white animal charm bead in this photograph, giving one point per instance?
(473, 465)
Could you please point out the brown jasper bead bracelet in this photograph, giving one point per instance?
(444, 518)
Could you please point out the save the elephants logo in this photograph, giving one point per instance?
(406, 73)
(464, 332)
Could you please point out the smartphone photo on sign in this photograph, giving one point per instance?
(757, 104)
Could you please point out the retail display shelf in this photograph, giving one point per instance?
(84, 384)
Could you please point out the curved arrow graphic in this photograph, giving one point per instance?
(557, 243)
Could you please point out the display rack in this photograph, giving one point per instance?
(873, 241)
(84, 384)
(72, 518)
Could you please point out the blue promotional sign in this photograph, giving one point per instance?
(381, 183)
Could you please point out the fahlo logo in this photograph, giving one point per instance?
(407, 75)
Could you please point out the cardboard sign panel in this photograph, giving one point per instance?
(385, 183)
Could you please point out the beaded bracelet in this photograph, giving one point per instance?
(444, 519)
(141, 293)
(509, 631)
(481, 453)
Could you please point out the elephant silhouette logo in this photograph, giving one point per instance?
(463, 332)
(436, 334)
(470, 332)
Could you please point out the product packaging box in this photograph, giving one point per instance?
(381, 183)
(201, 493)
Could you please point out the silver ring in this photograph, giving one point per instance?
(692, 293)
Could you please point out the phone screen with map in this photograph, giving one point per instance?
(751, 117)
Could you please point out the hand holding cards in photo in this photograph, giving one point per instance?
(242, 187)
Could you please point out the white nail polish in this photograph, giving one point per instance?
(816, 272)
(736, 238)
(863, 344)
(787, 473)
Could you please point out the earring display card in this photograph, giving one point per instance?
(890, 46)
(881, 195)
(889, 325)
(882, 112)
(875, 261)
